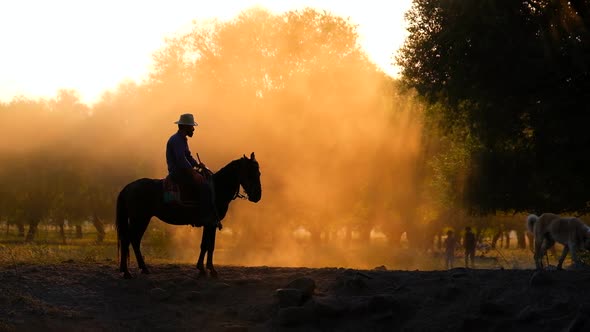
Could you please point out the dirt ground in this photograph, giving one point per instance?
(79, 296)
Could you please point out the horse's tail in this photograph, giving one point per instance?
(530, 222)
(122, 224)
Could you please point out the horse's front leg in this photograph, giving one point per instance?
(211, 235)
(204, 249)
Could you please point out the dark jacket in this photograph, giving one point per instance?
(178, 156)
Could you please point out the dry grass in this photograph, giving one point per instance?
(48, 249)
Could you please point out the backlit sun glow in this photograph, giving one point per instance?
(93, 46)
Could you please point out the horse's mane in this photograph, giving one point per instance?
(229, 167)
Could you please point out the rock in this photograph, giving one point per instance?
(304, 284)
(295, 315)
(327, 306)
(289, 297)
(355, 283)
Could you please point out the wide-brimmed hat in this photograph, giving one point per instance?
(187, 119)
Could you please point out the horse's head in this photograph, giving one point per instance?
(249, 177)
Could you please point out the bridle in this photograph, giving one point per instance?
(239, 195)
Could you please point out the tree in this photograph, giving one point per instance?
(512, 78)
(298, 88)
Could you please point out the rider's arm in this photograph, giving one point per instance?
(180, 151)
(190, 158)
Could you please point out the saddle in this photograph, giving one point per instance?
(182, 203)
(174, 195)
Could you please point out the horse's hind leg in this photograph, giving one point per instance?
(124, 259)
(137, 230)
(207, 244)
(204, 246)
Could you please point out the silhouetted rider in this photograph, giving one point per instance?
(181, 164)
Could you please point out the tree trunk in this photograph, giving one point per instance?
(495, 239)
(507, 243)
(32, 231)
(21, 229)
(99, 228)
(7, 227)
(78, 231)
(520, 238)
(62, 233)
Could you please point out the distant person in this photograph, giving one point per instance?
(450, 246)
(469, 246)
(181, 164)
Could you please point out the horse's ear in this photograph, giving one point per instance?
(244, 156)
(253, 157)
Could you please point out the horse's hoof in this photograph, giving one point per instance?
(202, 274)
(127, 275)
(213, 274)
(145, 270)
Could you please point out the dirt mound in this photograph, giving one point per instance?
(74, 296)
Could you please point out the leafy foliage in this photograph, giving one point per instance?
(513, 79)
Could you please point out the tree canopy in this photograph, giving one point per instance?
(510, 80)
(295, 87)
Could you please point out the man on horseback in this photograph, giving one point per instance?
(178, 156)
(181, 164)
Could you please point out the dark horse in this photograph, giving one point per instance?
(142, 199)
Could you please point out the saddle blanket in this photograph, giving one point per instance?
(172, 193)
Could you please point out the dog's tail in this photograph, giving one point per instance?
(530, 222)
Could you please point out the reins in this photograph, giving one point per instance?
(239, 195)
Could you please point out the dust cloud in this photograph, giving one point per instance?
(340, 146)
(337, 178)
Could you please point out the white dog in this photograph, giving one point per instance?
(549, 228)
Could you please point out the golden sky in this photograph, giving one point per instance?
(93, 45)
